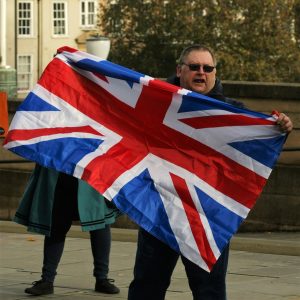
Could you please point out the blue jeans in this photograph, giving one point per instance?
(65, 210)
(154, 265)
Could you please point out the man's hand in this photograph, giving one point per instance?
(285, 123)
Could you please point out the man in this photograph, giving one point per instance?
(155, 261)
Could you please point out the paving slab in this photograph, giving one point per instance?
(251, 275)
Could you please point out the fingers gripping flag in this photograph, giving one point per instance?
(185, 167)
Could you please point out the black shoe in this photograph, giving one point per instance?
(40, 287)
(106, 286)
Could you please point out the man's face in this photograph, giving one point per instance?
(197, 81)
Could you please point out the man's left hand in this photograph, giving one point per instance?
(285, 123)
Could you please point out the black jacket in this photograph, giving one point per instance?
(216, 92)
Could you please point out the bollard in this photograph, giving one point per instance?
(3, 114)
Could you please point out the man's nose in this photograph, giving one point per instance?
(201, 70)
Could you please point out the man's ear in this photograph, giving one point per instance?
(178, 70)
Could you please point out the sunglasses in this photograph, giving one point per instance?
(196, 67)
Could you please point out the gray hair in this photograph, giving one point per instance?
(195, 47)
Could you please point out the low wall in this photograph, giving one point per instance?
(276, 209)
(278, 206)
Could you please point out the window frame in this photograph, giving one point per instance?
(20, 35)
(86, 14)
(28, 73)
(65, 19)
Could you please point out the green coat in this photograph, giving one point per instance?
(35, 209)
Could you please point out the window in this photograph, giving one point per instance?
(24, 72)
(88, 13)
(25, 18)
(59, 18)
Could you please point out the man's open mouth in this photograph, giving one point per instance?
(198, 80)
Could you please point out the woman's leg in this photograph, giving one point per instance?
(53, 250)
(65, 204)
(100, 243)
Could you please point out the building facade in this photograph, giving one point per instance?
(35, 29)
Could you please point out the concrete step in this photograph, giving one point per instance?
(281, 243)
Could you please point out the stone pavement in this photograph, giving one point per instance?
(252, 275)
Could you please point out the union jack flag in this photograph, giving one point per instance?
(185, 167)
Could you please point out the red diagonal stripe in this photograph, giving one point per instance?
(67, 49)
(224, 120)
(100, 76)
(24, 134)
(195, 222)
